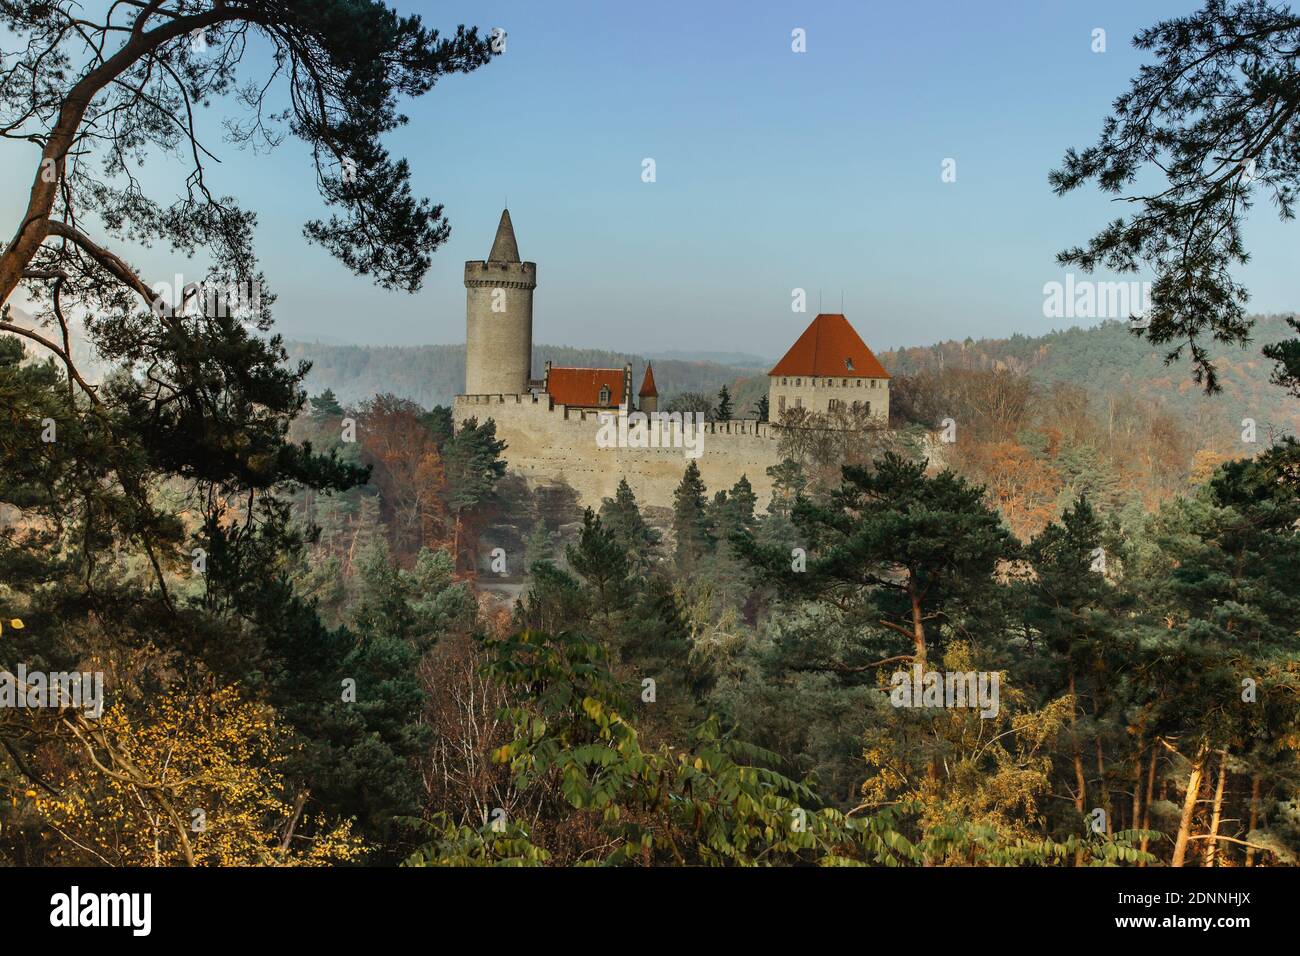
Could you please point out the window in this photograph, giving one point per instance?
(604, 395)
(868, 408)
(785, 381)
(859, 383)
(848, 364)
(857, 406)
(798, 382)
(798, 402)
(780, 406)
(844, 383)
(832, 405)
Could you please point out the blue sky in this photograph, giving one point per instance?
(775, 170)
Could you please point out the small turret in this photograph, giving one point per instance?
(649, 395)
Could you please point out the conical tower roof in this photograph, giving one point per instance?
(504, 247)
(648, 383)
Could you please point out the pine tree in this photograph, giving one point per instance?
(691, 519)
(602, 563)
(724, 404)
(538, 546)
(622, 517)
(915, 549)
(788, 483)
(326, 405)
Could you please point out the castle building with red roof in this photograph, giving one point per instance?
(828, 369)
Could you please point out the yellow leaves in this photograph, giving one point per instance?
(16, 623)
(211, 755)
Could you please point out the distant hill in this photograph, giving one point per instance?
(434, 374)
(1109, 358)
(742, 359)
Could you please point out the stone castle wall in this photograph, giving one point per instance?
(550, 442)
(816, 393)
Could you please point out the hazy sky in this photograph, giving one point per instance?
(775, 170)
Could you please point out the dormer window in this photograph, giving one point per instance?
(604, 394)
(848, 364)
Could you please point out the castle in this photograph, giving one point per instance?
(552, 426)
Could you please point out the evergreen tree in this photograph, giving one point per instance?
(691, 519)
(602, 562)
(472, 465)
(622, 517)
(724, 404)
(326, 405)
(538, 547)
(788, 483)
(909, 549)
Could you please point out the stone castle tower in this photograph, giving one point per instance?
(499, 318)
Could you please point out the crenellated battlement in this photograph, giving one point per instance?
(501, 275)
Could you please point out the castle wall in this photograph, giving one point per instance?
(548, 442)
(816, 394)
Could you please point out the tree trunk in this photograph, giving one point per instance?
(1189, 807)
(1201, 820)
(1151, 786)
(1105, 790)
(1080, 784)
(1135, 815)
(1254, 817)
(918, 629)
(1212, 853)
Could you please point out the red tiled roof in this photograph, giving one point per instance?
(648, 383)
(581, 386)
(830, 348)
